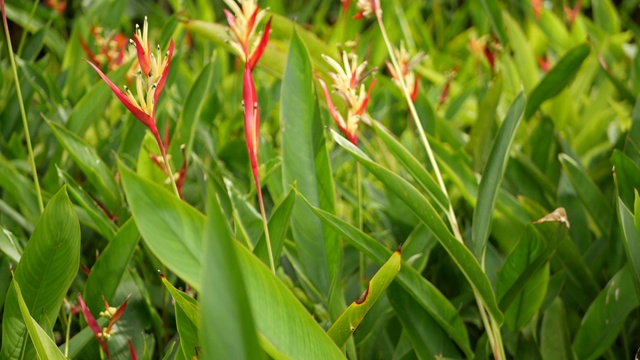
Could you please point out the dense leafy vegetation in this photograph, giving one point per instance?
(320, 179)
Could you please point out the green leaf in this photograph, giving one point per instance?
(492, 9)
(91, 165)
(415, 168)
(278, 225)
(590, 195)
(522, 281)
(554, 333)
(188, 319)
(557, 79)
(631, 236)
(427, 295)
(463, 258)
(228, 329)
(305, 163)
(626, 175)
(348, 322)
(45, 346)
(46, 270)
(193, 106)
(9, 245)
(101, 221)
(92, 105)
(606, 316)
(108, 270)
(492, 176)
(428, 339)
(170, 228)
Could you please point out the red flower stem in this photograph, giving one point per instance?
(163, 151)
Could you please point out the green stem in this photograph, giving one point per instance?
(23, 113)
(490, 325)
(423, 137)
(363, 283)
(265, 226)
(165, 159)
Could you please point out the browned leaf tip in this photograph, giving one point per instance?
(364, 295)
(399, 248)
(161, 274)
(558, 215)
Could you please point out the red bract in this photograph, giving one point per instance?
(259, 50)
(251, 120)
(93, 324)
(336, 115)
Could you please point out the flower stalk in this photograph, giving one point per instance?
(250, 45)
(367, 8)
(23, 113)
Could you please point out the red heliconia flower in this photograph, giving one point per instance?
(366, 8)
(93, 324)
(251, 120)
(111, 48)
(348, 83)
(572, 13)
(57, 5)
(242, 22)
(132, 351)
(537, 8)
(545, 63)
(407, 63)
(149, 83)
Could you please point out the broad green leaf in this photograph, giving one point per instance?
(45, 346)
(427, 295)
(348, 322)
(485, 127)
(228, 328)
(91, 165)
(522, 281)
(171, 230)
(9, 245)
(626, 175)
(101, 221)
(606, 16)
(463, 258)
(189, 340)
(278, 225)
(284, 326)
(108, 270)
(305, 164)
(492, 9)
(186, 128)
(286, 329)
(523, 54)
(45, 272)
(557, 79)
(415, 168)
(554, 333)
(606, 316)
(597, 205)
(631, 236)
(428, 339)
(492, 176)
(19, 188)
(188, 315)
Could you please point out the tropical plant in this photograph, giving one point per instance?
(315, 180)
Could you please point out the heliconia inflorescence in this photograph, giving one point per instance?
(150, 79)
(348, 83)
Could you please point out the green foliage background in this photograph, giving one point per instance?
(513, 142)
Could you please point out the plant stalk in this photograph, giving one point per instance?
(492, 328)
(265, 226)
(363, 283)
(165, 159)
(23, 113)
